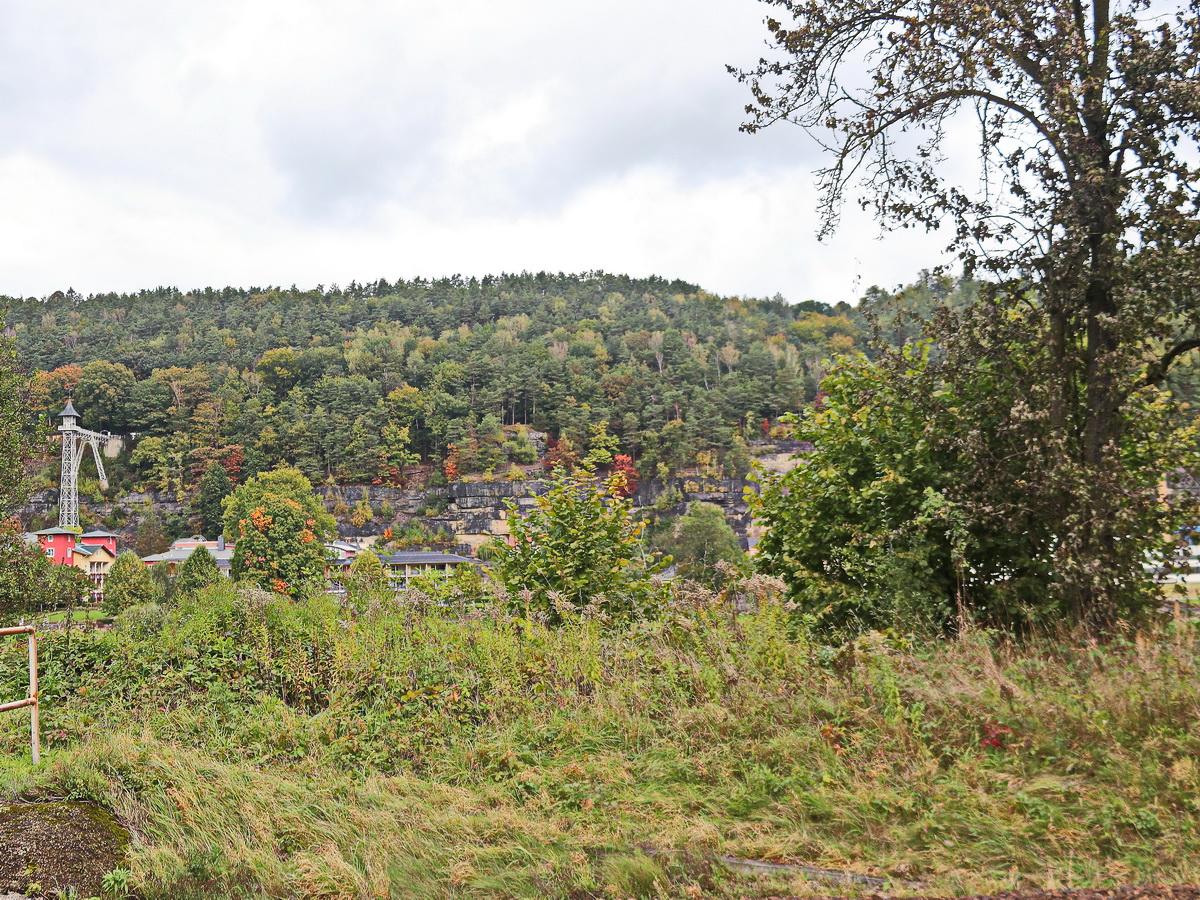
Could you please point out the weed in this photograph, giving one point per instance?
(418, 747)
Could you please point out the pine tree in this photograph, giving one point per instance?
(215, 486)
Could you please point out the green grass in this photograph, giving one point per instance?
(263, 749)
(78, 615)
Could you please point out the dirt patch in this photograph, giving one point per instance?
(56, 847)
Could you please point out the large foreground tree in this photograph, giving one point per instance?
(1084, 211)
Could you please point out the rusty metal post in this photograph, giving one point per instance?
(35, 732)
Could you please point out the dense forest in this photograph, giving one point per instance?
(363, 383)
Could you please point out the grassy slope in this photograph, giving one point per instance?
(271, 750)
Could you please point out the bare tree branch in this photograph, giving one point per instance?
(1161, 367)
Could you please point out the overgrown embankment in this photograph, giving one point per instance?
(258, 747)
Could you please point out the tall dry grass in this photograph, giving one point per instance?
(405, 749)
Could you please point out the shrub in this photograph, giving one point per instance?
(362, 513)
(697, 541)
(127, 584)
(579, 545)
(520, 449)
(934, 494)
(198, 571)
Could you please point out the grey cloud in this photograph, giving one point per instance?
(234, 141)
(612, 108)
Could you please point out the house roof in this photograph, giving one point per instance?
(57, 530)
(224, 557)
(99, 534)
(91, 549)
(417, 557)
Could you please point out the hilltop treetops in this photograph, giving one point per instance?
(362, 383)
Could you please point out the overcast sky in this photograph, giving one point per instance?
(254, 143)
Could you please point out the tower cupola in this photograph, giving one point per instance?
(70, 418)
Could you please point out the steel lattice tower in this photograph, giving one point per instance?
(75, 441)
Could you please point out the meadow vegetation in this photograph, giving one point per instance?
(423, 746)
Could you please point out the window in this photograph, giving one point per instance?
(50, 552)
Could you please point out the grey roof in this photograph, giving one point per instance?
(89, 549)
(224, 557)
(99, 534)
(57, 530)
(416, 557)
(69, 410)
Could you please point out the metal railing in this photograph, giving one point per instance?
(31, 701)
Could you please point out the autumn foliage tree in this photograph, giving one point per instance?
(1084, 216)
(281, 528)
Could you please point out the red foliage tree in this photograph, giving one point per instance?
(450, 466)
(623, 465)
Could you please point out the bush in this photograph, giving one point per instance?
(362, 513)
(934, 494)
(198, 571)
(698, 541)
(128, 583)
(520, 449)
(578, 546)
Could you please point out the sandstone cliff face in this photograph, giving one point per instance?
(475, 512)
(472, 511)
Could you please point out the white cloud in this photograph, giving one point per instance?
(145, 144)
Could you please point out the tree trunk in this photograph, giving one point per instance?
(1101, 426)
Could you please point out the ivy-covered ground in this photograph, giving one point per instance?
(258, 747)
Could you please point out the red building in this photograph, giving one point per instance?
(100, 539)
(59, 545)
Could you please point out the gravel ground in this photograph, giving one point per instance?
(61, 847)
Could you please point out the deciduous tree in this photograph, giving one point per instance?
(281, 528)
(198, 571)
(578, 545)
(697, 541)
(367, 582)
(128, 584)
(1087, 117)
(103, 393)
(935, 493)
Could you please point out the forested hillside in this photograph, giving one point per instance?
(359, 383)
